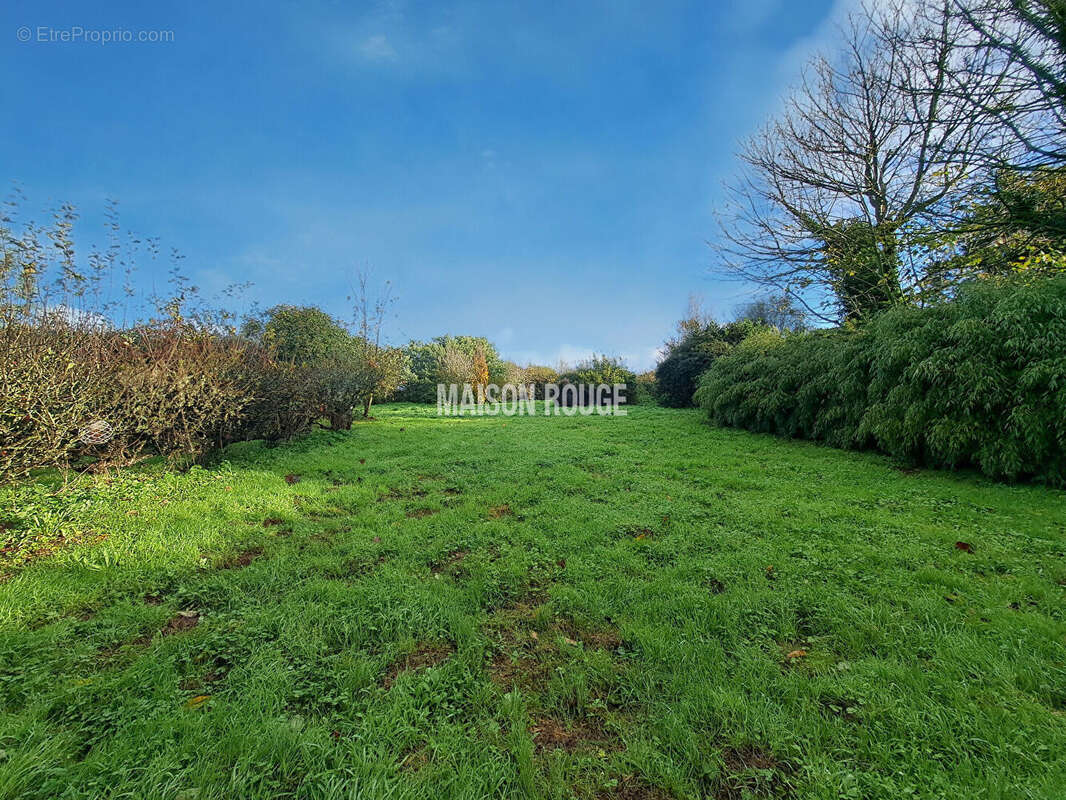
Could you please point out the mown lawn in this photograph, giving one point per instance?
(638, 607)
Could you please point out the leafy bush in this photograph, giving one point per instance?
(285, 399)
(539, 376)
(980, 381)
(799, 385)
(448, 359)
(646, 391)
(599, 370)
(67, 392)
(342, 371)
(302, 334)
(698, 343)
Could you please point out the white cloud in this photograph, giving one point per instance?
(826, 38)
(385, 36)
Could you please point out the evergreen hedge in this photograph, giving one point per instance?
(976, 382)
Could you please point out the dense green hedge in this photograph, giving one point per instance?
(979, 381)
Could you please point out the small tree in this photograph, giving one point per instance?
(699, 341)
(481, 374)
(300, 334)
(380, 368)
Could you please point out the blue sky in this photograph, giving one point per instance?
(544, 174)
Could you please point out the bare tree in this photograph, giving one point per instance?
(870, 146)
(775, 310)
(1023, 43)
(379, 368)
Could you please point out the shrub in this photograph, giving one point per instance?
(285, 401)
(172, 389)
(68, 392)
(447, 359)
(800, 385)
(46, 395)
(698, 344)
(646, 391)
(539, 376)
(979, 381)
(600, 370)
(302, 334)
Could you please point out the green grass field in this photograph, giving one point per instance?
(637, 607)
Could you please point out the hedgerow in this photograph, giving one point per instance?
(976, 382)
(80, 388)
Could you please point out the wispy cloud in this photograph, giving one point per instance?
(387, 36)
(377, 48)
(825, 38)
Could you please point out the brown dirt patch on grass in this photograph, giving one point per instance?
(415, 760)
(551, 734)
(448, 562)
(496, 512)
(752, 771)
(182, 621)
(192, 684)
(603, 639)
(632, 788)
(419, 513)
(358, 567)
(526, 653)
(424, 656)
(242, 559)
(396, 493)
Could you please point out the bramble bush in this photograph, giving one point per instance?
(45, 395)
(284, 401)
(976, 382)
